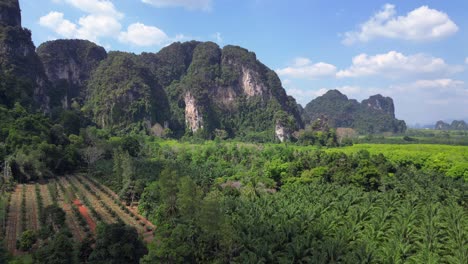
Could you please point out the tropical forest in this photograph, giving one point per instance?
(174, 150)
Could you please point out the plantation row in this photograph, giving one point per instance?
(85, 203)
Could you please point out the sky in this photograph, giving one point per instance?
(413, 51)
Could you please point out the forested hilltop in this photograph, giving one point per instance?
(373, 115)
(195, 154)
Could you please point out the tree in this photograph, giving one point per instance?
(27, 240)
(117, 243)
(58, 251)
(127, 169)
(91, 155)
(53, 216)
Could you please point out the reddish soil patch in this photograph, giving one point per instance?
(85, 214)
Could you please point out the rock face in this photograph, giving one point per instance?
(455, 125)
(122, 94)
(373, 115)
(68, 65)
(380, 103)
(193, 119)
(194, 86)
(441, 125)
(282, 132)
(19, 63)
(10, 13)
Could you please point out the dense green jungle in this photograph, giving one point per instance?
(197, 154)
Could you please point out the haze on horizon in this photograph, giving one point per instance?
(412, 51)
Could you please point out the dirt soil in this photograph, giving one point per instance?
(84, 212)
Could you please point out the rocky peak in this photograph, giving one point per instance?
(373, 115)
(18, 58)
(334, 95)
(441, 125)
(380, 103)
(455, 125)
(10, 13)
(459, 125)
(68, 65)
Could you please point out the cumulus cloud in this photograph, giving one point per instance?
(466, 60)
(102, 7)
(420, 24)
(437, 83)
(188, 4)
(103, 20)
(141, 35)
(57, 22)
(90, 27)
(303, 68)
(395, 64)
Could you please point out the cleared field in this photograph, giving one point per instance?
(84, 202)
(128, 216)
(94, 201)
(46, 199)
(13, 228)
(31, 208)
(70, 219)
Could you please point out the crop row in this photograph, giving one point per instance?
(69, 196)
(98, 197)
(114, 198)
(23, 209)
(6, 210)
(40, 203)
(53, 192)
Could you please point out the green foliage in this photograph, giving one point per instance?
(59, 250)
(27, 240)
(116, 243)
(122, 92)
(277, 203)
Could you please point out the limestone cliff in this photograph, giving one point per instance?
(68, 65)
(20, 66)
(373, 115)
(10, 14)
(455, 125)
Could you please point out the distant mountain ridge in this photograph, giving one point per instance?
(373, 115)
(455, 125)
(185, 88)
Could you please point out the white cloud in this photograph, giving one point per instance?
(420, 24)
(437, 83)
(103, 20)
(466, 60)
(96, 26)
(61, 26)
(141, 35)
(303, 68)
(188, 4)
(101, 7)
(394, 64)
(90, 27)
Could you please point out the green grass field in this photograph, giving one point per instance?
(452, 160)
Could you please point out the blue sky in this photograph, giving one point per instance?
(414, 51)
